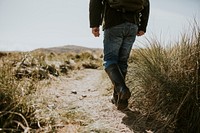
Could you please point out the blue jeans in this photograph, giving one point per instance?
(118, 42)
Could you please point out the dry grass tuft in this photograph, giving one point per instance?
(15, 114)
(168, 83)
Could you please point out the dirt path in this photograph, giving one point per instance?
(81, 103)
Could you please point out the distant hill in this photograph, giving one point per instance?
(67, 48)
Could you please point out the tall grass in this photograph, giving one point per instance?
(169, 83)
(15, 114)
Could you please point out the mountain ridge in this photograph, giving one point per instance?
(68, 48)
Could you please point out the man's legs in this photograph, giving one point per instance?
(118, 42)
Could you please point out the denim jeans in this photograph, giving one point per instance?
(118, 42)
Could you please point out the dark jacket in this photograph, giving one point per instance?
(112, 17)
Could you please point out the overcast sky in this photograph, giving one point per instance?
(30, 24)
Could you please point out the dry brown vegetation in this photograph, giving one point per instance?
(23, 73)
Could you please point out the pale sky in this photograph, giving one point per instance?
(30, 24)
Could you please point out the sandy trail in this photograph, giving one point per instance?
(85, 95)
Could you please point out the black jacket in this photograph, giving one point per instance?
(112, 17)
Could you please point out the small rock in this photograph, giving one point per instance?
(74, 92)
(84, 95)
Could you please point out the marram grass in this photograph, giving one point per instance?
(168, 82)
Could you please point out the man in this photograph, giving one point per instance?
(120, 30)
